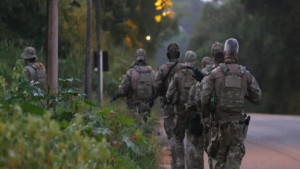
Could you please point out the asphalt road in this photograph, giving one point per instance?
(273, 142)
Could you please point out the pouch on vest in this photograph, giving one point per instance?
(144, 84)
(187, 82)
(232, 96)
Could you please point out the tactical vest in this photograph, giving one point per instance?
(142, 84)
(232, 94)
(186, 83)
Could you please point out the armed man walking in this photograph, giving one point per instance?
(177, 94)
(137, 86)
(35, 71)
(162, 80)
(194, 133)
(229, 85)
(217, 56)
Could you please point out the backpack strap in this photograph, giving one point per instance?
(168, 73)
(35, 71)
(140, 71)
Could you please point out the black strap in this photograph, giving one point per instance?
(168, 73)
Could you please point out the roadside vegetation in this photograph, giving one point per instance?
(63, 130)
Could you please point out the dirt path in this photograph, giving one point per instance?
(165, 150)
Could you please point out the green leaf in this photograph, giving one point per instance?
(32, 109)
(125, 120)
(131, 145)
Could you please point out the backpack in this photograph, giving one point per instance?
(143, 87)
(231, 98)
(186, 83)
(40, 74)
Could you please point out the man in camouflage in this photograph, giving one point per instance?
(35, 71)
(137, 86)
(194, 132)
(162, 80)
(229, 84)
(217, 57)
(181, 84)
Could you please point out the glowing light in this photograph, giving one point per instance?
(158, 18)
(148, 37)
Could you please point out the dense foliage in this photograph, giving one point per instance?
(268, 33)
(124, 26)
(63, 130)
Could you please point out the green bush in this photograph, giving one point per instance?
(63, 130)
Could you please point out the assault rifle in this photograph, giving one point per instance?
(151, 99)
(198, 75)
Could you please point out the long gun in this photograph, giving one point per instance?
(151, 99)
(198, 75)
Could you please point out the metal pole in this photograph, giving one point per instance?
(52, 45)
(98, 30)
(88, 61)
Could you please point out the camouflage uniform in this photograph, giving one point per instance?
(182, 82)
(230, 84)
(35, 71)
(194, 133)
(161, 83)
(137, 86)
(207, 67)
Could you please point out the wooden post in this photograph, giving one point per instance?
(88, 61)
(98, 31)
(52, 45)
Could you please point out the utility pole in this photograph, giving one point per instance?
(99, 54)
(52, 45)
(88, 61)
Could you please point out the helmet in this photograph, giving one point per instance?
(206, 61)
(173, 51)
(140, 54)
(190, 58)
(29, 53)
(216, 47)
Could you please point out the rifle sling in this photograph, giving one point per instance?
(168, 73)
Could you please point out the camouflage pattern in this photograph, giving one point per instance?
(216, 47)
(35, 71)
(195, 143)
(180, 86)
(128, 88)
(194, 151)
(226, 146)
(161, 88)
(29, 53)
(140, 54)
(205, 61)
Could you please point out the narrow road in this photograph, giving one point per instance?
(273, 142)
